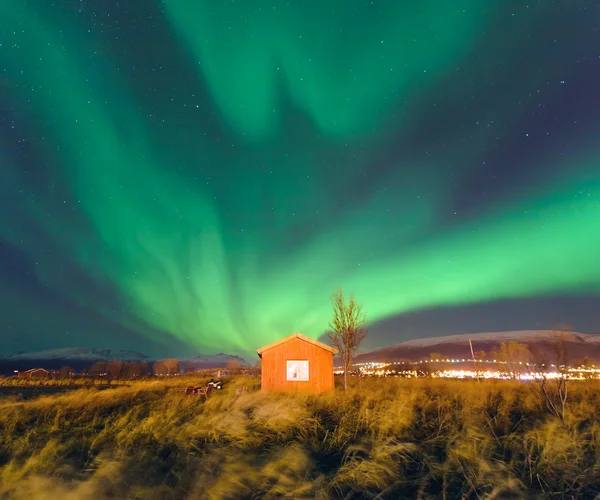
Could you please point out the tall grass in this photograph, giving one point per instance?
(389, 438)
(61, 382)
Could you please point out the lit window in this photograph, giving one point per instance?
(297, 370)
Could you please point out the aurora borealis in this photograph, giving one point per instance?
(188, 175)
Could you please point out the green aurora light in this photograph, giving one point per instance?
(228, 240)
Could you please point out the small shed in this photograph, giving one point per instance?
(297, 363)
(34, 373)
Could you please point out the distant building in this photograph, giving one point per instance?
(297, 363)
(34, 373)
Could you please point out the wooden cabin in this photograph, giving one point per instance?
(297, 363)
(34, 373)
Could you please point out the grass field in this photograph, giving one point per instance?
(386, 438)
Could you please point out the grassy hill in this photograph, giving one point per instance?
(389, 438)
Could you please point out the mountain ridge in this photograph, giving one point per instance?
(79, 353)
(578, 344)
(82, 357)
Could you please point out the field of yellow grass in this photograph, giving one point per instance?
(385, 438)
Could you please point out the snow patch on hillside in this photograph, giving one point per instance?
(516, 336)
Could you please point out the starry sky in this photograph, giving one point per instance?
(186, 176)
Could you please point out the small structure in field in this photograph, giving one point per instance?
(297, 363)
(34, 373)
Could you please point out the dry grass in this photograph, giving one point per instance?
(56, 382)
(388, 438)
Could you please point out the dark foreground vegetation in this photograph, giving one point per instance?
(389, 438)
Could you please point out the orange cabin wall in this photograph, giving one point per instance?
(320, 368)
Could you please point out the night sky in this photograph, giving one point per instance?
(185, 176)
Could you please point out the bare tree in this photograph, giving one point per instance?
(480, 355)
(145, 368)
(347, 329)
(159, 368)
(233, 366)
(66, 372)
(98, 368)
(132, 369)
(553, 393)
(115, 369)
(172, 366)
(169, 366)
(514, 356)
(587, 364)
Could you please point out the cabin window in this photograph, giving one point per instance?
(297, 370)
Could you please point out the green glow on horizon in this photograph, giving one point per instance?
(186, 269)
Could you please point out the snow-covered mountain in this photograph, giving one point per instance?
(219, 357)
(578, 345)
(83, 357)
(80, 354)
(517, 336)
(204, 361)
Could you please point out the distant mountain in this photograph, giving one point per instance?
(219, 357)
(206, 361)
(80, 354)
(83, 357)
(457, 346)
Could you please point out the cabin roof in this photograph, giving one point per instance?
(36, 370)
(296, 336)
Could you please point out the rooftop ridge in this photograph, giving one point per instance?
(293, 336)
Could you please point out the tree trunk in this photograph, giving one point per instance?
(345, 378)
